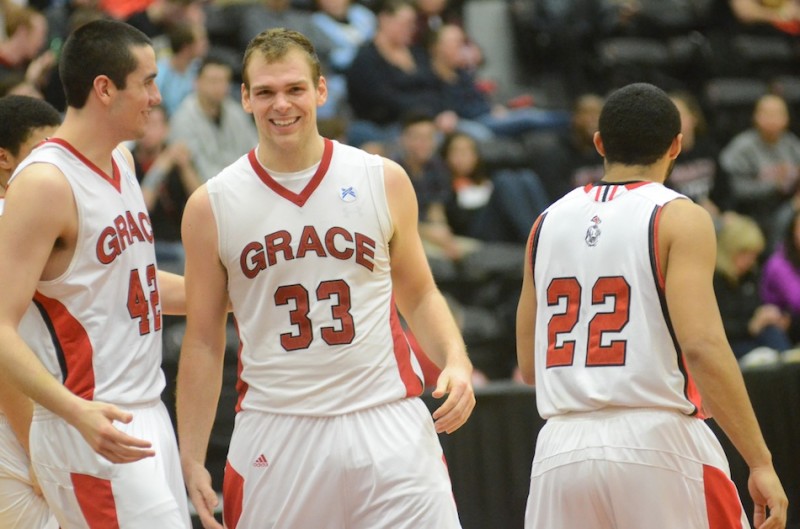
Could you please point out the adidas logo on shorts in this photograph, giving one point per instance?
(261, 462)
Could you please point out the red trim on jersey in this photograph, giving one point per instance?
(656, 255)
(232, 496)
(533, 242)
(430, 371)
(241, 385)
(634, 185)
(692, 393)
(114, 179)
(298, 199)
(96, 500)
(76, 346)
(723, 507)
(402, 354)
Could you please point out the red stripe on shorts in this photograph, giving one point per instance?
(722, 501)
(232, 496)
(96, 500)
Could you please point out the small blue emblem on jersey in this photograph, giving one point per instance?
(348, 194)
(593, 232)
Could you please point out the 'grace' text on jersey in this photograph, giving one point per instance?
(126, 230)
(337, 243)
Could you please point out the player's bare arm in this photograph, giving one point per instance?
(18, 409)
(424, 307)
(687, 250)
(40, 202)
(172, 293)
(202, 351)
(526, 319)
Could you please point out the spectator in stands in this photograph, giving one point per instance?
(167, 177)
(348, 26)
(153, 17)
(389, 78)
(213, 125)
(570, 159)
(696, 172)
(22, 52)
(281, 14)
(16, 84)
(418, 156)
(783, 15)
(498, 207)
(461, 94)
(177, 72)
(432, 15)
(764, 163)
(749, 322)
(780, 278)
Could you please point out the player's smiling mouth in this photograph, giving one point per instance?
(284, 122)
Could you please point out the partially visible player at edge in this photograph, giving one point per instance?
(314, 241)
(24, 122)
(76, 238)
(618, 326)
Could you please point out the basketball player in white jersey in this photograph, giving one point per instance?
(314, 241)
(619, 329)
(24, 122)
(76, 238)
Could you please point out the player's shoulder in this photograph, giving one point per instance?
(40, 175)
(684, 218)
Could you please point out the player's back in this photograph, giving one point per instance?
(603, 336)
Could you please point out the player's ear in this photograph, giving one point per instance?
(598, 144)
(322, 91)
(103, 87)
(675, 147)
(7, 160)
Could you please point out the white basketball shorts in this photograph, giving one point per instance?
(20, 507)
(86, 491)
(629, 469)
(377, 468)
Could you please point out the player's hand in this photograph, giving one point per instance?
(95, 422)
(769, 498)
(204, 499)
(456, 383)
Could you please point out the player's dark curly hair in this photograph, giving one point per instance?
(19, 116)
(637, 124)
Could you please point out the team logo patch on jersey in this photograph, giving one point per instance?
(261, 462)
(593, 232)
(347, 194)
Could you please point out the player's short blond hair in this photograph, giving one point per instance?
(274, 44)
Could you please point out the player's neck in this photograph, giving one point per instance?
(618, 173)
(89, 138)
(290, 157)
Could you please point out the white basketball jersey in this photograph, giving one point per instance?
(103, 313)
(309, 280)
(603, 332)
